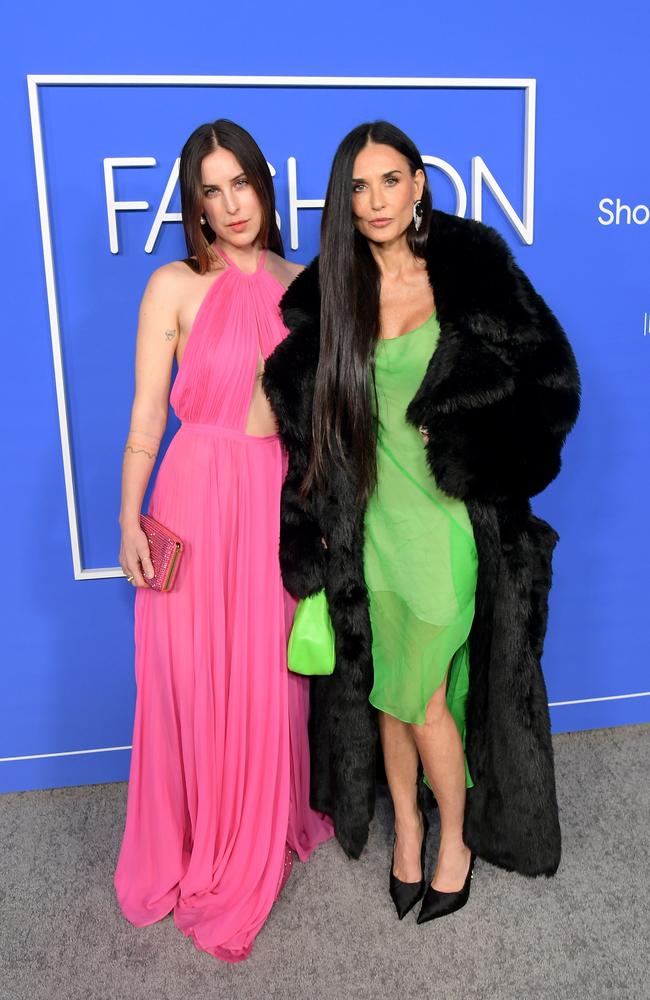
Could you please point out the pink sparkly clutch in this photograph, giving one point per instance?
(165, 549)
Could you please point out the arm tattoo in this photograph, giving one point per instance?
(141, 451)
(170, 334)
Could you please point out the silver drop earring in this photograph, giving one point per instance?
(417, 215)
(203, 220)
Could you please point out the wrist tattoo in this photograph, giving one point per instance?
(170, 334)
(141, 451)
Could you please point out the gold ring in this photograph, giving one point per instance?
(129, 579)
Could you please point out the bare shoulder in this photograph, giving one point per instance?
(284, 270)
(169, 283)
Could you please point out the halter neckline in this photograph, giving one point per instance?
(231, 263)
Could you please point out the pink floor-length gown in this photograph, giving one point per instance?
(219, 784)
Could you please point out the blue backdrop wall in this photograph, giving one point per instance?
(548, 144)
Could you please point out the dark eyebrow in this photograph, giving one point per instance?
(360, 180)
(232, 180)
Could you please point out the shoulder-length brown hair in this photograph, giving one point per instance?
(203, 141)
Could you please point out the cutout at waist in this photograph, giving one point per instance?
(233, 433)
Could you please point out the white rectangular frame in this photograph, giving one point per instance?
(34, 81)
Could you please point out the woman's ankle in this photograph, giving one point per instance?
(409, 823)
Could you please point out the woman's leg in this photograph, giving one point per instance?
(441, 751)
(401, 763)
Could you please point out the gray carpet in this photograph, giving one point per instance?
(333, 933)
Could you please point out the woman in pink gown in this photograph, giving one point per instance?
(219, 784)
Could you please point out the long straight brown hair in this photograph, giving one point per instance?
(342, 419)
(203, 141)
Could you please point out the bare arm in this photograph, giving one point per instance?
(156, 343)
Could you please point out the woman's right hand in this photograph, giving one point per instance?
(135, 558)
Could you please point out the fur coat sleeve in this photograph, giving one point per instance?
(289, 385)
(502, 389)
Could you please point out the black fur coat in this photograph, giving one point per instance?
(499, 396)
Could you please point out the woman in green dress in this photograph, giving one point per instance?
(423, 396)
(420, 561)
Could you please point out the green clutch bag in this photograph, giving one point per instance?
(311, 643)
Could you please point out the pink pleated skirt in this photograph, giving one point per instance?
(219, 785)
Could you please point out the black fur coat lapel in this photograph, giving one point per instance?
(499, 396)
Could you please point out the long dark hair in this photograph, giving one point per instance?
(203, 141)
(342, 420)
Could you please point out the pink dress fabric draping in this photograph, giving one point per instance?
(219, 784)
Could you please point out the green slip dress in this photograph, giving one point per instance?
(420, 559)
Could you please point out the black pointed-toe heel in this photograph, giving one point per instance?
(406, 894)
(440, 904)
